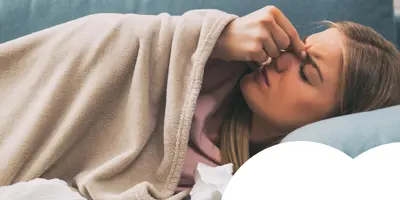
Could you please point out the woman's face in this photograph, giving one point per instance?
(287, 94)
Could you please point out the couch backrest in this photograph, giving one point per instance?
(21, 17)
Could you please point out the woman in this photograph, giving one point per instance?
(109, 103)
(348, 68)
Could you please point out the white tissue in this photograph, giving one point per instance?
(210, 181)
(39, 189)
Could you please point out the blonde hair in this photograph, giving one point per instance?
(370, 80)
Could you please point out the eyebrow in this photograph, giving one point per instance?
(313, 64)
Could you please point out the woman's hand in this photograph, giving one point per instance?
(257, 37)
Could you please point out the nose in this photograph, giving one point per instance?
(285, 61)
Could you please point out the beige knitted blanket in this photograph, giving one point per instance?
(105, 102)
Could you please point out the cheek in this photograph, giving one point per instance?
(289, 105)
(293, 112)
(294, 104)
(285, 93)
(252, 93)
(298, 110)
(290, 89)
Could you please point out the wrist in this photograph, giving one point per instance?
(217, 50)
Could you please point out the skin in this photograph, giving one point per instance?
(289, 101)
(257, 37)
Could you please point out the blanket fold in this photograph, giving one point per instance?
(105, 102)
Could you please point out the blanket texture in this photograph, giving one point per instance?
(105, 102)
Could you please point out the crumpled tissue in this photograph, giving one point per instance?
(39, 189)
(210, 182)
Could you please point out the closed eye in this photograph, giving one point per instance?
(313, 64)
(302, 73)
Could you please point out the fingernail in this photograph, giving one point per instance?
(303, 54)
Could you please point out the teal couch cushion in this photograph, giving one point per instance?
(21, 17)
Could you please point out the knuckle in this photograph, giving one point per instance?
(271, 9)
(260, 35)
(268, 19)
(269, 15)
(254, 48)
